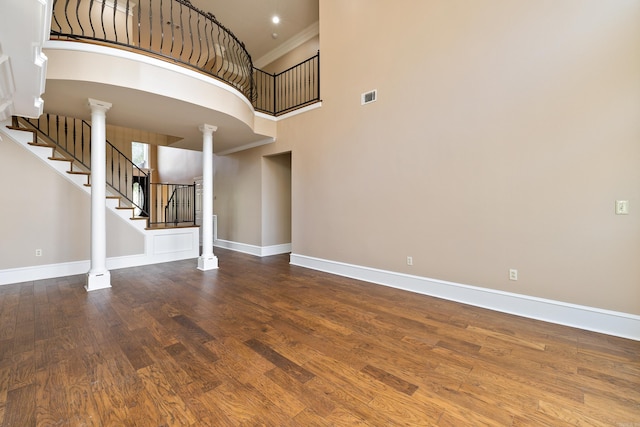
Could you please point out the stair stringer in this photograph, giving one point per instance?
(160, 245)
(43, 152)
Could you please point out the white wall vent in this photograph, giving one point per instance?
(369, 97)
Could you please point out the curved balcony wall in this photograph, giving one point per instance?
(148, 93)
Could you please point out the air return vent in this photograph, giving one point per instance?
(369, 97)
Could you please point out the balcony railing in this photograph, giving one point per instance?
(176, 31)
(172, 29)
(291, 89)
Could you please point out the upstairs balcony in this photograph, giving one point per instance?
(177, 32)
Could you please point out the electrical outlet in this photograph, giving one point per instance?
(513, 274)
(622, 207)
(38, 252)
(409, 260)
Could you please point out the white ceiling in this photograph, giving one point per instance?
(250, 21)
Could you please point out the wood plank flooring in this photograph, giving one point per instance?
(260, 342)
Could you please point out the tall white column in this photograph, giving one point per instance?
(207, 261)
(98, 276)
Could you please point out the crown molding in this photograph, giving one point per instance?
(246, 146)
(307, 34)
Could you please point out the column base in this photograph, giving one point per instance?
(207, 262)
(98, 281)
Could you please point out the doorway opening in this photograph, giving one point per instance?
(276, 203)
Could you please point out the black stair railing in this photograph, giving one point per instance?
(73, 138)
(171, 29)
(173, 204)
(128, 180)
(70, 136)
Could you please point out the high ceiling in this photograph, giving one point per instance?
(250, 20)
(22, 78)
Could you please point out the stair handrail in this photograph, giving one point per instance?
(85, 157)
(28, 124)
(136, 172)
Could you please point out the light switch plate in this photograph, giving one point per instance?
(622, 207)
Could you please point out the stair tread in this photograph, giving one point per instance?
(20, 128)
(42, 144)
(37, 143)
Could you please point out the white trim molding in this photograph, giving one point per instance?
(185, 247)
(289, 114)
(246, 146)
(7, 86)
(160, 245)
(583, 317)
(260, 251)
(307, 34)
(24, 27)
(39, 272)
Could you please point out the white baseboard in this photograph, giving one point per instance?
(260, 251)
(50, 271)
(162, 245)
(284, 248)
(40, 272)
(588, 318)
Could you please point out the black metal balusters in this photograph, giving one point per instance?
(173, 204)
(291, 89)
(173, 29)
(179, 32)
(121, 172)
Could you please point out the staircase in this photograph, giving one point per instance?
(77, 169)
(161, 244)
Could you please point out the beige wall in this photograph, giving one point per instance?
(178, 166)
(502, 136)
(253, 196)
(238, 204)
(301, 53)
(42, 210)
(276, 199)
(122, 136)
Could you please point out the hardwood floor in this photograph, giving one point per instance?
(260, 342)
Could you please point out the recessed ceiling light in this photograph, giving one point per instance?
(275, 19)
